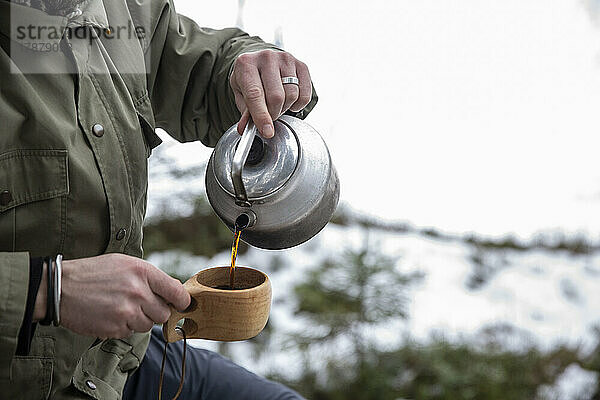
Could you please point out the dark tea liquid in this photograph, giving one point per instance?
(241, 223)
(227, 287)
(234, 250)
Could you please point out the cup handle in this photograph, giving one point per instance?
(239, 159)
(190, 326)
(169, 332)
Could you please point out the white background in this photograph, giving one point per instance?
(465, 115)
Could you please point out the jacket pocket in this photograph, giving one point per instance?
(31, 376)
(34, 185)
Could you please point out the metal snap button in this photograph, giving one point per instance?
(121, 234)
(98, 130)
(90, 384)
(5, 198)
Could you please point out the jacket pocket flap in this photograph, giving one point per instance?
(32, 175)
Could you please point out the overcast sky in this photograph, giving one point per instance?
(470, 115)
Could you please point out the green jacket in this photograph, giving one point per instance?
(75, 133)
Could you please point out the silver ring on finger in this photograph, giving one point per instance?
(290, 80)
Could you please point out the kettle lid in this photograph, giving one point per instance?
(270, 164)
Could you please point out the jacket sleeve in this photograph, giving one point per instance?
(188, 78)
(14, 280)
(189, 70)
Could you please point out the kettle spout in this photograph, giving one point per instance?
(245, 220)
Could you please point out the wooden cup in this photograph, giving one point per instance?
(225, 315)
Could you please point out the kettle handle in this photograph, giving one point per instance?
(239, 159)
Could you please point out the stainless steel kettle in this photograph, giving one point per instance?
(282, 190)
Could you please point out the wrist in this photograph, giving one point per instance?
(39, 311)
(67, 295)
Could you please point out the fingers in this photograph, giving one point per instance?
(156, 309)
(239, 101)
(275, 94)
(251, 88)
(305, 87)
(140, 322)
(113, 295)
(243, 122)
(170, 289)
(257, 86)
(288, 68)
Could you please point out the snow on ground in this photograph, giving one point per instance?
(553, 297)
(574, 383)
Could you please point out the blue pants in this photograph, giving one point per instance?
(208, 376)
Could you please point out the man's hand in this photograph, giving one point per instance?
(259, 93)
(114, 295)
